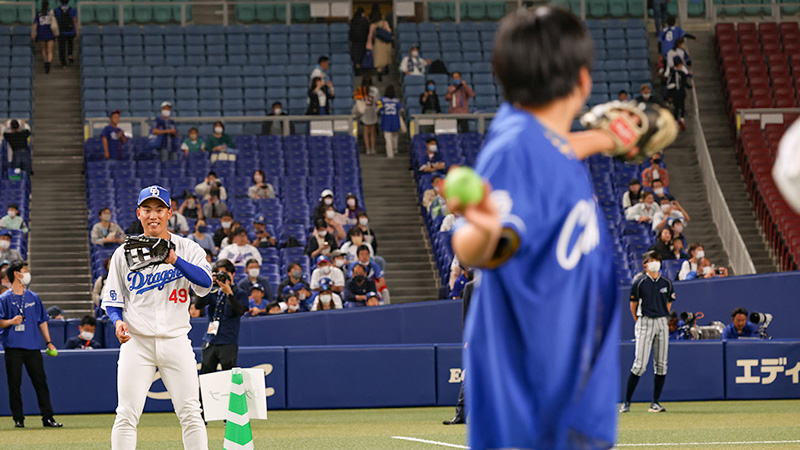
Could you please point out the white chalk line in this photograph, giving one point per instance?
(425, 441)
(659, 444)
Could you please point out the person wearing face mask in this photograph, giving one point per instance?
(260, 189)
(430, 104)
(660, 192)
(432, 161)
(373, 271)
(166, 133)
(655, 172)
(211, 181)
(294, 276)
(263, 238)
(24, 321)
(240, 251)
(351, 209)
(275, 127)
(85, 339)
(253, 278)
(191, 208)
(12, 220)
(355, 239)
(335, 222)
(413, 64)
(6, 252)
(651, 302)
(327, 271)
(105, 232)
(327, 298)
(677, 249)
(366, 107)
(707, 270)
(291, 303)
(221, 144)
(113, 137)
(369, 234)
(225, 223)
(633, 195)
(320, 242)
(669, 210)
(358, 287)
(204, 240)
(320, 94)
(325, 200)
(646, 95)
(643, 211)
(438, 206)
(339, 261)
(677, 230)
(193, 143)
(696, 253)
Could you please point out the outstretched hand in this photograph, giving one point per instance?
(483, 215)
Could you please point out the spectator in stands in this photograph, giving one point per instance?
(390, 109)
(165, 132)
(359, 32)
(275, 127)
(321, 70)
(12, 220)
(646, 95)
(105, 232)
(206, 241)
(263, 238)
(319, 96)
(677, 247)
(678, 51)
(113, 137)
(457, 290)
(257, 305)
(351, 209)
(326, 271)
(211, 182)
(67, 19)
(16, 134)
(669, 210)
(663, 246)
(658, 189)
(325, 200)
(669, 34)
(366, 107)
(97, 289)
(260, 189)
(429, 102)
(335, 222)
(438, 205)
(215, 207)
(430, 194)
(659, 12)
(675, 324)
(374, 272)
(448, 222)
(294, 276)
(458, 94)
(379, 41)
(225, 223)
(275, 307)
(622, 95)
(355, 239)
(240, 251)
(633, 195)
(85, 338)
(55, 313)
(320, 242)
(191, 207)
(373, 299)
(696, 253)
(254, 278)
(677, 83)
(339, 260)
(229, 234)
(707, 270)
(432, 163)
(177, 223)
(655, 172)
(413, 64)
(327, 298)
(358, 287)
(677, 230)
(643, 211)
(369, 234)
(6, 252)
(740, 327)
(193, 143)
(291, 303)
(43, 33)
(221, 144)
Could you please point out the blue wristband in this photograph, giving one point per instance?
(193, 273)
(114, 313)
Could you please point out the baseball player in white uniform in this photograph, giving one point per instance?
(150, 311)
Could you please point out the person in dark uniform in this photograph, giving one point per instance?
(85, 339)
(651, 301)
(21, 314)
(226, 305)
(460, 417)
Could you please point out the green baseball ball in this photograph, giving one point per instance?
(52, 352)
(464, 184)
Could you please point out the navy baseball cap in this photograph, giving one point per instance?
(154, 191)
(325, 284)
(373, 294)
(5, 233)
(260, 219)
(257, 286)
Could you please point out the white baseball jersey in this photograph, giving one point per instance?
(240, 254)
(336, 276)
(786, 170)
(155, 300)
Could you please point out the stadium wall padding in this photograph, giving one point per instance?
(84, 381)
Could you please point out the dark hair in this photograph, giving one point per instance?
(219, 122)
(427, 82)
(538, 54)
(673, 316)
(227, 214)
(272, 304)
(224, 264)
(359, 11)
(362, 268)
(430, 139)
(436, 177)
(320, 223)
(88, 320)
(366, 80)
(45, 7)
(107, 263)
(211, 172)
(277, 104)
(738, 311)
(362, 248)
(658, 180)
(99, 213)
(238, 231)
(671, 234)
(314, 81)
(389, 91)
(15, 266)
(293, 265)
(651, 255)
(355, 231)
(14, 206)
(694, 247)
(670, 21)
(193, 129)
(322, 59)
(14, 124)
(622, 92)
(362, 213)
(634, 182)
(678, 42)
(677, 239)
(648, 193)
(251, 261)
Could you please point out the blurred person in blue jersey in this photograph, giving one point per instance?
(541, 252)
(740, 327)
(676, 327)
(391, 110)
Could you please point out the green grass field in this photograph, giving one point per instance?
(701, 425)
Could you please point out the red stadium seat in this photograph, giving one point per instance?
(788, 27)
(758, 71)
(783, 92)
(763, 102)
(760, 91)
(751, 47)
(725, 28)
(775, 59)
(753, 59)
(758, 80)
(781, 70)
(768, 27)
(746, 27)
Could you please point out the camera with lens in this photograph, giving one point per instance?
(221, 277)
(762, 320)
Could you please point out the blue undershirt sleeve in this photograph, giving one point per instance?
(114, 313)
(193, 273)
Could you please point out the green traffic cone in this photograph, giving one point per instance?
(238, 435)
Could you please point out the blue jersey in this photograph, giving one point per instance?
(167, 140)
(25, 335)
(389, 109)
(112, 134)
(374, 271)
(678, 335)
(667, 38)
(528, 385)
(749, 330)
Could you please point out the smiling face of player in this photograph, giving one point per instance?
(154, 215)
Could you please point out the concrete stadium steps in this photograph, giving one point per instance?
(58, 249)
(390, 197)
(717, 128)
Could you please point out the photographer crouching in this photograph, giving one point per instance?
(226, 305)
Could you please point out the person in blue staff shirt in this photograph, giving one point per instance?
(21, 315)
(166, 129)
(113, 137)
(675, 324)
(740, 326)
(85, 339)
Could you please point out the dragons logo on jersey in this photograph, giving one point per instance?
(141, 283)
(583, 214)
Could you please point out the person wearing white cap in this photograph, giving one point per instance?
(325, 199)
(165, 132)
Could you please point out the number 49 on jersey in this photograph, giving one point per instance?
(179, 295)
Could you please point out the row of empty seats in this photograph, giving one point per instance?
(16, 72)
